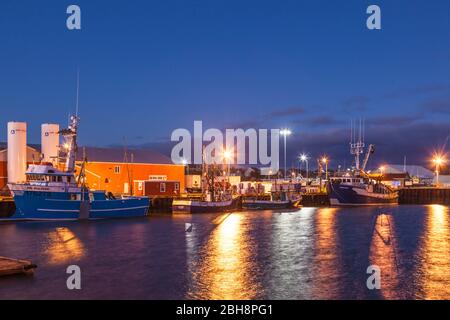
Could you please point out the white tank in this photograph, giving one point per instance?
(17, 151)
(50, 142)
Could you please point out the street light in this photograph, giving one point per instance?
(438, 161)
(325, 162)
(227, 156)
(185, 163)
(285, 133)
(304, 158)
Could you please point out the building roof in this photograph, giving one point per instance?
(96, 154)
(413, 170)
(443, 179)
(396, 176)
(37, 147)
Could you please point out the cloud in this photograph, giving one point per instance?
(355, 103)
(287, 112)
(419, 90)
(393, 120)
(323, 120)
(437, 105)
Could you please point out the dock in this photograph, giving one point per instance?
(424, 195)
(7, 207)
(315, 200)
(9, 266)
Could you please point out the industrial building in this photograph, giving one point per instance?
(117, 171)
(417, 174)
(111, 169)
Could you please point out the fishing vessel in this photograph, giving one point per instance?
(215, 197)
(52, 193)
(355, 187)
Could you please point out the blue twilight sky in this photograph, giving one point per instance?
(148, 67)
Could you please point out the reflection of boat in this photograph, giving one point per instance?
(355, 187)
(383, 255)
(51, 193)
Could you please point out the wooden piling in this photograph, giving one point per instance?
(9, 266)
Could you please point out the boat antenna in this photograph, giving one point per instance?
(78, 91)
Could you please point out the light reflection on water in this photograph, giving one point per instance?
(326, 258)
(434, 268)
(224, 267)
(383, 253)
(307, 254)
(63, 247)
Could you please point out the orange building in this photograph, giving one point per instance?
(119, 177)
(106, 169)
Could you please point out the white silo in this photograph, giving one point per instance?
(50, 142)
(17, 151)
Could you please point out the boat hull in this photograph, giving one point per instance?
(30, 206)
(266, 205)
(193, 206)
(347, 195)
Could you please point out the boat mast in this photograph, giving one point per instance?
(70, 135)
(357, 144)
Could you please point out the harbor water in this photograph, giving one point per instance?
(309, 253)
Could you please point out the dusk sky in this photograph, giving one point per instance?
(149, 67)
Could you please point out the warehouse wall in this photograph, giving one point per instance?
(112, 176)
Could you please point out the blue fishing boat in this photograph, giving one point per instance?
(51, 193)
(355, 187)
(357, 190)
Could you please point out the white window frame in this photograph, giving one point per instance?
(117, 169)
(162, 187)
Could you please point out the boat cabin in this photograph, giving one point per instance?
(46, 174)
(348, 180)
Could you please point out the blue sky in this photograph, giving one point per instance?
(149, 67)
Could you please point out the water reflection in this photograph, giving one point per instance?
(434, 277)
(327, 267)
(63, 246)
(224, 268)
(291, 253)
(383, 253)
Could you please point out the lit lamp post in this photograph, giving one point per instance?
(227, 154)
(381, 168)
(304, 158)
(184, 163)
(438, 161)
(325, 162)
(285, 133)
